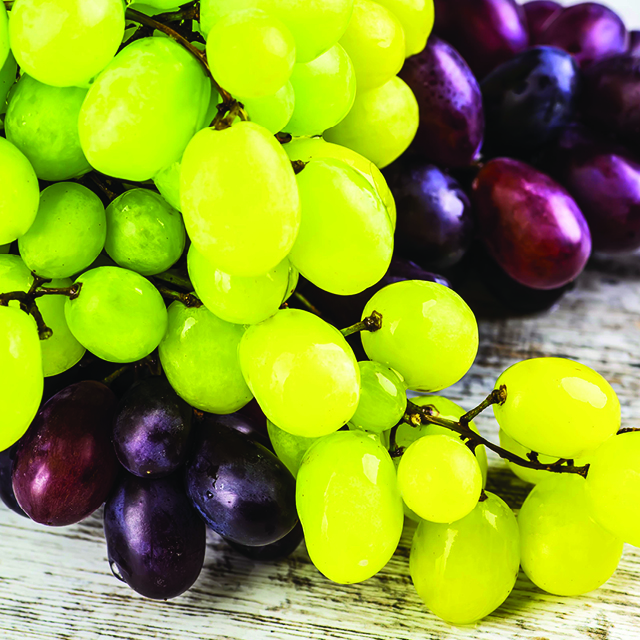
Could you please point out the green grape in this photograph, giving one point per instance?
(316, 25)
(613, 486)
(199, 355)
(381, 124)
(289, 448)
(349, 506)
(439, 478)
(19, 195)
(302, 372)
(416, 17)
(239, 198)
(144, 233)
(557, 406)
(167, 182)
(4, 35)
(68, 232)
(143, 109)
(383, 399)
(345, 242)
(8, 73)
(307, 149)
(163, 5)
(563, 550)
(465, 570)
(325, 89)
(119, 316)
(237, 299)
(65, 43)
(429, 334)
(42, 121)
(272, 112)
(251, 53)
(374, 41)
(21, 378)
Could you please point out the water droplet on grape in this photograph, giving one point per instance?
(115, 570)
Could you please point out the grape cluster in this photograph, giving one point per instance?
(183, 187)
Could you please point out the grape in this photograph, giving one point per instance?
(251, 53)
(302, 372)
(119, 316)
(199, 356)
(241, 489)
(144, 233)
(613, 486)
(244, 421)
(8, 73)
(143, 109)
(21, 378)
(7, 495)
(155, 540)
(416, 17)
(163, 5)
(374, 40)
(272, 112)
(289, 448)
(465, 570)
(238, 299)
(349, 506)
(68, 233)
(530, 225)
(382, 398)
(345, 242)
(429, 334)
(381, 124)
(439, 478)
(42, 121)
(19, 195)
(65, 466)
(324, 89)
(167, 182)
(634, 43)
(244, 170)
(557, 407)
(539, 14)
(14, 276)
(274, 551)
(4, 35)
(65, 43)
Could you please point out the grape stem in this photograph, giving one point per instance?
(176, 279)
(420, 415)
(187, 299)
(306, 304)
(370, 323)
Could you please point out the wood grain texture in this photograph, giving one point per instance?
(56, 583)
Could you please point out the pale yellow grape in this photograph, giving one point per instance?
(289, 448)
(416, 17)
(4, 35)
(272, 112)
(381, 124)
(167, 182)
(239, 198)
(345, 242)
(14, 276)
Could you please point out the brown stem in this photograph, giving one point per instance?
(298, 166)
(309, 306)
(187, 299)
(189, 11)
(370, 323)
(112, 377)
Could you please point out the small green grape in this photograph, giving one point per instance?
(4, 35)
(167, 182)
(8, 73)
(416, 17)
(289, 448)
(272, 112)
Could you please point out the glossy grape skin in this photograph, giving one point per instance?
(485, 32)
(349, 506)
(288, 447)
(634, 43)
(531, 226)
(65, 466)
(7, 495)
(276, 550)
(8, 73)
(435, 222)
(4, 35)
(155, 540)
(557, 407)
(539, 14)
(199, 357)
(465, 570)
(272, 112)
(167, 182)
(42, 121)
(416, 17)
(529, 100)
(151, 429)
(429, 335)
(241, 490)
(588, 30)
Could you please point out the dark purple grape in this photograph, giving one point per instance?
(274, 551)
(451, 118)
(435, 225)
(241, 489)
(589, 31)
(151, 429)
(529, 100)
(7, 494)
(243, 422)
(155, 539)
(539, 15)
(531, 226)
(634, 43)
(65, 466)
(485, 32)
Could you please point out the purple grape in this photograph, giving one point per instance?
(485, 32)
(531, 226)
(634, 43)
(539, 15)
(589, 31)
(65, 466)
(451, 118)
(244, 421)
(155, 540)
(7, 494)
(241, 489)
(435, 226)
(274, 551)
(529, 100)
